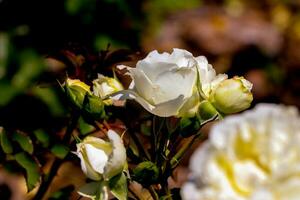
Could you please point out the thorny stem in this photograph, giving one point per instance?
(57, 162)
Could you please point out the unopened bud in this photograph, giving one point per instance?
(232, 95)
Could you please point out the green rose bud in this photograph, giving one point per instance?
(232, 95)
(76, 91)
(80, 95)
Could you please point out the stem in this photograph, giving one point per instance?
(186, 147)
(153, 193)
(161, 146)
(166, 191)
(57, 162)
(140, 146)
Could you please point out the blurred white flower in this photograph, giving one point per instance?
(102, 159)
(251, 156)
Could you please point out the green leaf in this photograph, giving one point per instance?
(24, 141)
(146, 173)
(60, 150)
(31, 167)
(94, 190)
(5, 142)
(8, 92)
(118, 186)
(42, 137)
(84, 127)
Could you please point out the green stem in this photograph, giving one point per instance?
(57, 162)
(186, 147)
(140, 146)
(160, 139)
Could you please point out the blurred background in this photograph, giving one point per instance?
(41, 41)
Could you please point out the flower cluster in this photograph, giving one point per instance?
(176, 84)
(167, 85)
(254, 155)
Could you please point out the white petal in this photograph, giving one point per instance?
(97, 158)
(143, 84)
(117, 158)
(153, 69)
(166, 109)
(155, 63)
(87, 168)
(173, 83)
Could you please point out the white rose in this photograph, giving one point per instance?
(251, 156)
(162, 83)
(102, 159)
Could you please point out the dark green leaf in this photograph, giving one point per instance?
(60, 150)
(5, 142)
(84, 127)
(31, 167)
(24, 141)
(146, 173)
(42, 137)
(8, 92)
